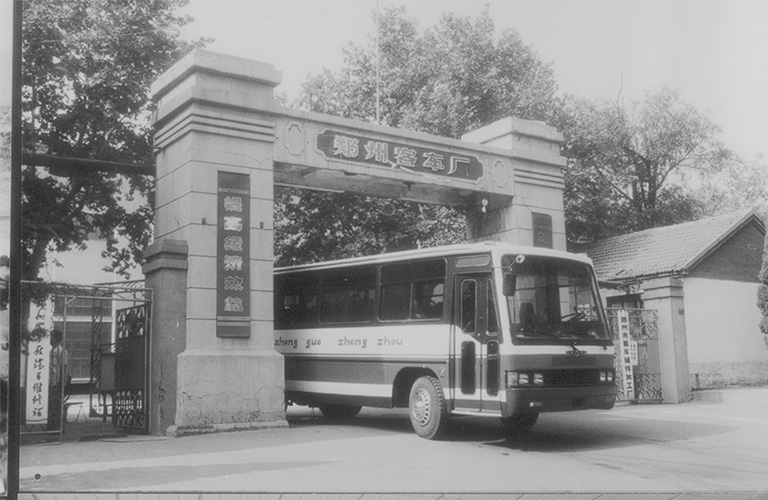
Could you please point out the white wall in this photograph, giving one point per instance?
(725, 346)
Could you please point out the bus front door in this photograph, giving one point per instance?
(476, 345)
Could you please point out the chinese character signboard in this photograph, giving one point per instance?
(627, 357)
(37, 380)
(233, 313)
(378, 153)
(542, 230)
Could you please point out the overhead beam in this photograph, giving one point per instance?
(73, 166)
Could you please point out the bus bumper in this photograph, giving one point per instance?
(546, 399)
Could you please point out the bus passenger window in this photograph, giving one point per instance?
(395, 299)
(468, 306)
(412, 290)
(427, 300)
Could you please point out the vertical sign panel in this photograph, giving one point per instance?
(38, 380)
(542, 230)
(233, 288)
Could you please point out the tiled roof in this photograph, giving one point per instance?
(664, 250)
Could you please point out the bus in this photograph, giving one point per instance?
(482, 329)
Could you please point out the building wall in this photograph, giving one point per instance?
(738, 259)
(725, 346)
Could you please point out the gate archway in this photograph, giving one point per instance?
(221, 145)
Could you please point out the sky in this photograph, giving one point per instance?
(714, 52)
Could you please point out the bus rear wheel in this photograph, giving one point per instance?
(519, 424)
(339, 411)
(428, 409)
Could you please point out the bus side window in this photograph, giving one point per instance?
(468, 306)
(394, 301)
(428, 300)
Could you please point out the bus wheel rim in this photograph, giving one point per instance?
(421, 407)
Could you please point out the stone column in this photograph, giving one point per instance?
(665, 295)
(214, 116)
(165, 272)
(535, 215)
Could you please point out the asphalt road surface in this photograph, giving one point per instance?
(692, 447)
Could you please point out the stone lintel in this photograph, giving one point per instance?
(666, 287)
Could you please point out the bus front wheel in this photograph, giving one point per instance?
(519, 424)
(428, 409)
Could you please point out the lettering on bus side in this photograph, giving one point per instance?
(386, 341)
(281, 342)
(346, 341)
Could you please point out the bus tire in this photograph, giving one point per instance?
(428, 409)
(519, 424)
(339, 412)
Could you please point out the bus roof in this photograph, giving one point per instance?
(494, 247)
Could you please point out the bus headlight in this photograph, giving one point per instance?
(606, 376)
(517, 379)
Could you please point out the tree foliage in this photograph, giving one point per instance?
(741, 184)
(86, 70)
(446, 80)
(628, 164)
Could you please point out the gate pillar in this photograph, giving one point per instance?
(666, 296)
(535, 215)
(214, 190)
(165, 272)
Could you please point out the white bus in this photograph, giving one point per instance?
(485, 329)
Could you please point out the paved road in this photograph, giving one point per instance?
(693, 447)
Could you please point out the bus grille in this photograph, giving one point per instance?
(571, 377)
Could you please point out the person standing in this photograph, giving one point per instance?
(58, 376)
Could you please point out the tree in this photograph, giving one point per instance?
(738, 185)
(627, 164)
(87, 67)
(448, 80)
(86, 70)
(312, 226)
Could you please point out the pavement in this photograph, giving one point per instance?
(88, 448)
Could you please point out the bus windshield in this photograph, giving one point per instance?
(552, 300)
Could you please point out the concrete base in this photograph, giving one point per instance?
(222, 390)
(180, 431)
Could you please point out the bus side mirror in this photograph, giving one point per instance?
(509, 284)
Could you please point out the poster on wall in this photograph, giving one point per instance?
(233, 312)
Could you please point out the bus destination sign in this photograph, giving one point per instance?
(395, 156)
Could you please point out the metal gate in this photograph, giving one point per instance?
(129, 403)
(638, 359)
(105, 330)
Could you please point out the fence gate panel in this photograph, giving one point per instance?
(641, 352)
(131, 365)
